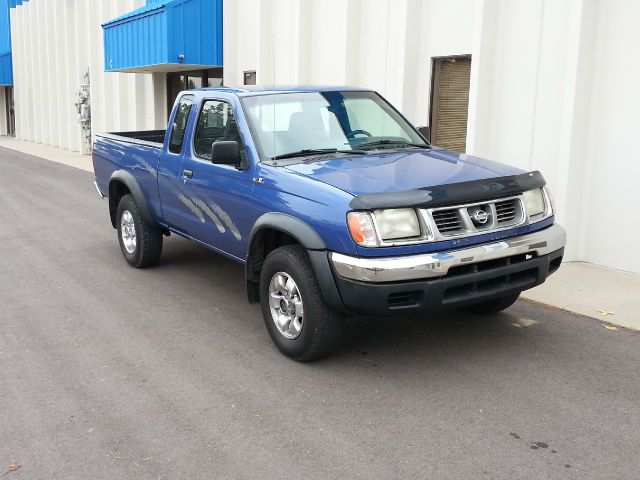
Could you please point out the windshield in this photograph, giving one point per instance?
(295, 122)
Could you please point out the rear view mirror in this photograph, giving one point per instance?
(226, 152)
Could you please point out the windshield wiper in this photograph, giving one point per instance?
(393, 142)
(316, 151)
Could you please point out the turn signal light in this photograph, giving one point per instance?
(362, 229)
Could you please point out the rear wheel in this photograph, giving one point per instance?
(492, 306)
(299, 322)
(141, 243)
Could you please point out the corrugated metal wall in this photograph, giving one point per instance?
(165, 35)
(6, 70)
(54, 42)
(136, 42)
(195, 31)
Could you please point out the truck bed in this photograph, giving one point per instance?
(151, 138)
(132, 154)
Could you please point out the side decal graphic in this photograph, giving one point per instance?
(190, 205)
(218, 216)
(146, 165)
(227, 220)
(206, 209)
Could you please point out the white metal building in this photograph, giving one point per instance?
(543, 84)
(54, 43)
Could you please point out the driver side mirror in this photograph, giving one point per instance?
(226, 152)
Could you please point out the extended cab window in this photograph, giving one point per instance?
(216, 123)
(180, 124)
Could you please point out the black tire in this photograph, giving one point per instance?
(148, 247)
(492, 306)
(322, 328)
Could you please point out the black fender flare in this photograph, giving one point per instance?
(298, 229)
(306, 236)
(132, 184)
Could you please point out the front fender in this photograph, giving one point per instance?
(298, 229)
(309, 239)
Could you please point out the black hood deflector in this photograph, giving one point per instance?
(452, 194)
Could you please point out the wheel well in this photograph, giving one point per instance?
(262, 244)
(117, 190)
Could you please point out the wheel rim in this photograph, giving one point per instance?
(285, 303)
(128, 231)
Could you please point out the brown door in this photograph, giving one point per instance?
(450, 102)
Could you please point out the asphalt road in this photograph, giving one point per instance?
(168, 373)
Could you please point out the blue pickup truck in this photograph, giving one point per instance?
(334, 203)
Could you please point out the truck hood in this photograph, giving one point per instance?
(398, 171)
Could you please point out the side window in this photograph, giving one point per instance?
(180, 124)
(215, 123)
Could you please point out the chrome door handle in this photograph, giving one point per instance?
(187, 173)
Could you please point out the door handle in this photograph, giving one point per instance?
(187, 173)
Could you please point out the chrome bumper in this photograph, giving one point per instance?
(95, 184)
(429, 265)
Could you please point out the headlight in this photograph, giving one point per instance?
(370, 229)
(397, 223)
(550, 201)
(534, 203)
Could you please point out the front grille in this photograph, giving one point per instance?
(448, 222)
(488, 265)
(476, 218)
(515, 281)
(525, 276)
(506, 211)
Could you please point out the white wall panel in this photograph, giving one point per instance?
(386, 45)
(610, 202)
(54, 42)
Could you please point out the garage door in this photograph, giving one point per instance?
(450, 102)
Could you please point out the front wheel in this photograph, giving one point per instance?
(492, 306)
(299, 322)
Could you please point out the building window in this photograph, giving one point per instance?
(250, 77)
(180, 81)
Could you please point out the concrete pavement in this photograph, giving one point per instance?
(58, 155)
(111, 372)
(603, 293)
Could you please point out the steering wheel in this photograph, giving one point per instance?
(353, 133)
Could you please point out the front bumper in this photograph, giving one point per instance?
(447, 279)
(429, 265)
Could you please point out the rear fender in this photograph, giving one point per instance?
(129, 181)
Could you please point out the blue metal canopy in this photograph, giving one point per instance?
(6, 64)
(165, 36)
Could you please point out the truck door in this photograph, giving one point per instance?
(170, 177)
(218, 197)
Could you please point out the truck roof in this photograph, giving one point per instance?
(252, 90)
